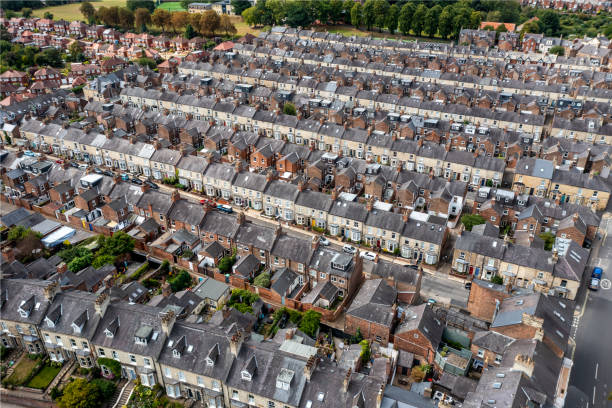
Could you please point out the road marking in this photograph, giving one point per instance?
(606, 284)
(594, 395)
(596, 368)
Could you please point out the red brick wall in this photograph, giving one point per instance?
(369, 330)
(419, 345)
(481, 302)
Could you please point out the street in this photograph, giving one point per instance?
(444, 290)
(591, 379)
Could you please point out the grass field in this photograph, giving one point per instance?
(22, 370)
(242, 27)
(350, 31)
(70, 12)
(44, 377)
(172, 6)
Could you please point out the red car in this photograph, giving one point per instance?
(59, 161)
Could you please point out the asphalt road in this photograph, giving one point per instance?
(591, 379)
(446, 291)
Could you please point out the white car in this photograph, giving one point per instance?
(323, 241)
(349, 249)
(370, 256)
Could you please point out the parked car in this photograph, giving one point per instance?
(74, 164)
(225, 208)
(324, 241)
(431, 302)
(468, 285)
(83, 166)
(349, 249)
(108, 173)
(125, 177)
(152, 185)
(594, 285)
(29, 153)
(98, 170)
(370, 256)
(137, 181)
(59, 161)
(597, 272)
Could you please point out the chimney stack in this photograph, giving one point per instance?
(370, 204)
(9, 254)
(165, 289)
(101, 303)
(314, 242)
(347, 380)
(167, 322)
(524, 364)
(300, 185)
(238, 165)
(61, 268)
(51, 290)
(175, 196)
(310, 367)
(144, 187)
(240, 218)
(236, 343)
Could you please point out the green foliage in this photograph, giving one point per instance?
(107, 388)
(3, 352)
(48, 15)
(187, 254)
(55, 393)
(549, 240)
(44, 377)
(189, 32)
(226, 263)
(242, 300)
(557, 50)
(26, 12)
(80, 262)
(72, 252)
(120, 243)
(469, 220)
(165, 266)
(148, 62)
(136, 4)
(181, 281)
(240, 5)
(366, 351)
(262, 280)
(19, 233)
(392, 18)
(88, 11)
(185, 4)
(102, 260)
(310, 322)
(357, 337)
(357, 15)
(113, 365)
(498, 280)
(289, 109)
(80, 394)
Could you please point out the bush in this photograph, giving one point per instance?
(549, 240)
(140, 271)
(469, 220)
(242, 300)
(226, 263)
(80, 262)
(107, 388)
(80, 394)
(181, 281)
(102, 260)
(498, 280)
(262, 280)
(113, 365)
(310, 322)
(55, 393)
(365, 351)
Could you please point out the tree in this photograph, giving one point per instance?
(185, 4)
(501, 29)
(369, 15)
(277, 9)
(142, 17)
(88, 11)
(76, 51)
(392, 18)
(405, 18)
(299, 14)
(550, 22)
(48, 15)
(262, 280)
(418, 19)
(136, 4)
(475, 19)
(498, 280)
(126, 18)
(80, 262)
(102, 260)
(432, 18)
(72, 252)
(120, 243)
(226, 263)
(250, 16)
(310, 323)
(461, 19)
(26, 12)
(289, 109)
(80, 394)
(356, 15)
(381, 9)
(366, 352)
(347, 6)
(357, 337)
(227, 26)
(210, 22)
(445, 22)
(161, 18)
(189, 32)
(469, 220)
(107, 388)
(549, 240)
(335, 10)
(181, 281)
(240, 5)
(557, 50)
(179, 20)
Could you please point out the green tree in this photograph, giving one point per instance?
(357, 337)
(550, 21)
(26, 12)
(80, 394)
(120, 243)
(107, 388)
(469, 220)
(381, 8)
(102, 260)
(405, 18)
(557, 50)
(431, 20)
(336, 9)
(189, 32)
(181, 281)
(136, 4)
(369, 14)
(277, 10)
(289, 109)
(392, 18)
(262, 280)
(142, 18)
(356, 15)
(143, 397)
(310, 322)
(445, 23)
(226, 263)
(475, 19)
(418, 19)
(227, 26)
(461, 19)
(549, 240)
(250, 16)
(48, 15)
(211, 20)
(240, 5)
(366, 352)
(498, 280)
(161, 18)
(298, 14)
(80, 262)
(72, 252)
(125, 18)
(347, 6)
(185, 4)
(88, 11)
(76, 52)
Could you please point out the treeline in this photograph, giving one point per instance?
(208, 23)
(442, 18)
(20, 58)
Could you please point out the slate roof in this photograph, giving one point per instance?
(423, 319)
(483, 245)
(259, 236)
(374, 303)
(220, 223)
(295, 249)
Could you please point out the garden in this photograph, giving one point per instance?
(102, 251)
(33, 371)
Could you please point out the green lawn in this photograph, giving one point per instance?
(70, 12)
(348, 31)
(22, 370)
(44, 377)
(172, 6)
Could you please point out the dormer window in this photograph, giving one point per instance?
(176, 353)
(245, 375)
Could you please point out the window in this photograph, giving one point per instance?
(101, 352)
(132, 358)
(115, 355)
(498, 359)
(235, 395)
(216, 385)
(480, 353)
(58, 340)
(73, 343)
(271, 404)
(147, 362)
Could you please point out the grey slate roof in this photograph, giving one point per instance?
(483, 245)
(374, 302)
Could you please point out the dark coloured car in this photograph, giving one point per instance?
(74, 164)
(468, 285)
(137, 181)
(152, 185)
(108, 173)
(98, 170)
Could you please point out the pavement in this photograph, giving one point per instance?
(591, 379)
